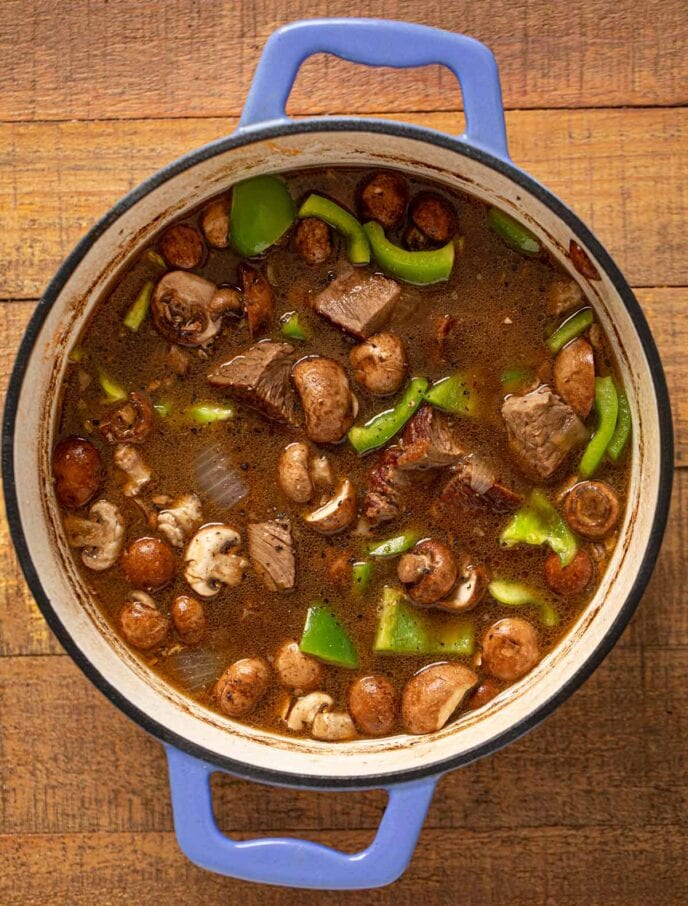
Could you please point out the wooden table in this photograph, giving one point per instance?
(591, 807)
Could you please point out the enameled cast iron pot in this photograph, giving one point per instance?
(198, 741)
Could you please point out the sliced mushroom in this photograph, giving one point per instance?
(78, 471)
(322, 475)
(215, 223)
(293, 473)
(337, 513)
(100, 537)
(181, 309)
(295, 669)
(149, 563)
(259, 300)
(212, 560)
(592, 509)
(182, 246)
(510, 648)
(305, 709)
(469, 590)
(431, 696)
(131, 423)
(143, 625)
(242, 685)
(380, 363)
(179, 520)
(129, 459)
(428, 571)
(328, 403)
(333, 726)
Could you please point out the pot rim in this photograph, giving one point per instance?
(248, 136)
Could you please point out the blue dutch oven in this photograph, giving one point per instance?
(199, 742)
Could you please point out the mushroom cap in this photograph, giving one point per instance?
(149, 563)
(337, 513)
(592, 509)
(510, 648)
(295, 669)
(129, 423)
(100, 537)
(143, 626)
(333, 726)
(293, 472)
(469, 590)
(380, 363)
(78, 471)
(328, 404)
(209, 561)
(181, 309)
(428, 571)
(431, 696)
(373, 704)
(188, 616)
(242, 685)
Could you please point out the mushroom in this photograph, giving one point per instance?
(574, 376)
(188, 616)
(182, 246)
(383, 197)
(149, 562)
(181, 309)
(100, 537)
(78, 471)
(483, 694)
(336, 513)
(143, 626)
(305, 709)
(210, 561)
(434, 217)
(259, 300)
(131, 423)
(179, 520)
(293, 473)
(215, 223)
(372, 703)
(332, 726)
(322, 475)
(428, 571)
(226, 300)
(569, 580)
(312, 240)
(563, 295)
(469, 590)
(138, 472)
(242, 685)
(431, 696)
(592, 509)
(510, 648)
(328, 403)
(380, 363)
(295, 669)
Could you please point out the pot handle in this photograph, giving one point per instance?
(381, 42)
(284, 860)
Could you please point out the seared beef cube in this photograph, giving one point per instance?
(260, 377)
(542, 430)
(271, 549)
(473, 488)
(383, 500)
(357, 303)
(430, 441)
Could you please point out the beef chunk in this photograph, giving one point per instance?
(473, 488)
(430, 441)
(383, 500)
(271, 549)
(358, 304)
(260, 377)
(542, 430)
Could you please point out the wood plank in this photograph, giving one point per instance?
(99, 59)
(544, 865)
(624, 172)
(84, 768)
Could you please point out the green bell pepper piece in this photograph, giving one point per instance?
(382, 427)
(262, 211)
(138, 311)
(404, 630)
(571, 328)
(114, 392)
(156, 259)
(396, 545)
(622, 432)
(453, 394)
(163, 408)
(361, 574)
(607, 408)
(357, 245)
(421, 268)
(518, 594)
(513, 233)
(76, 355)
(538, 522)
(324, 638)
(209, 413)
(514, 378)
(292, 328)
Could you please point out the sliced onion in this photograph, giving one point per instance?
(194, 668)
(219, 479)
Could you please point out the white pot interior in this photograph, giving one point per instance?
(38, 405)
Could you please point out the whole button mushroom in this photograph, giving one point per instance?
(373, 705)
(295, 669)
(215, 223)
(434, 217)
(510, 648)
(592, 509)
(431, 696)
(242, 685)
(428, 571)
(188, 616)
(312, 240)
(328, 403)
(143, 626)
(383, 197)
(337, 513)
(149, 563)
(380, 363)
(572, 579)
(482, 694)
(574, 376)
(78, 471)
(182, 246)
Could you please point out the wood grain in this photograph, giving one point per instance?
(93, 59)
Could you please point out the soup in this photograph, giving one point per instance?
(343, 453)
